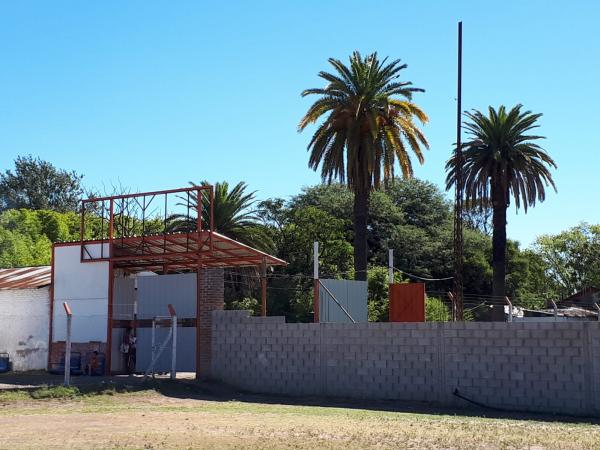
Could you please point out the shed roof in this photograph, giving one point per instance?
(25, 277)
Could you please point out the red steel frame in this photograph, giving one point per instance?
(112, 258)
(194, 259)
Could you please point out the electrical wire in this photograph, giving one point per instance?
(417, 277)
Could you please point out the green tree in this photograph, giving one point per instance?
(366, 129)
(234, 215)
(378, 302)
(37, 184)
(571, 258)
(310, 224)
(26, 236)
(502, 161)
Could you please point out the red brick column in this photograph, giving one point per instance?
(211, 298)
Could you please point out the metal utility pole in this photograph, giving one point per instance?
(316, 281)
(458, 204)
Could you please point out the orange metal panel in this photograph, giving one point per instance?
(407, 302)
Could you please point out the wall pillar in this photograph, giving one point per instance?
(210, 298)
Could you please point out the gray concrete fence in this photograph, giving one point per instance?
(542, 367)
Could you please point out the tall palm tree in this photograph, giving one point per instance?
(233, 215)
(366, 128)
(502, 161)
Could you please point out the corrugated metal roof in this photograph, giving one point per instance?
(25, 277)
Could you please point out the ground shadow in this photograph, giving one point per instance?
(216, 391)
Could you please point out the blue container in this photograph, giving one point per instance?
(59, 368)
(4, 362)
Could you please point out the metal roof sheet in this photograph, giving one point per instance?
(25, 277)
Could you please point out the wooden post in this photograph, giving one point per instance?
(391, 266)
(68, 345)
(452, 299)
(263, 285)
(316, 281)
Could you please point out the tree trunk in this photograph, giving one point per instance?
(361, 213)
(499, 243)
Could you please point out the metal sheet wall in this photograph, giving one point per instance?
(352, 295)
(156, 292)
(153, 295)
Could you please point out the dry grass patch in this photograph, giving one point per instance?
(148, 419)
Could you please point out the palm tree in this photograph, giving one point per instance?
(502, 161)
(233, 215)
(364, 131)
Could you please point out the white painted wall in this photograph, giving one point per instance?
(85, 287)
(24, 322)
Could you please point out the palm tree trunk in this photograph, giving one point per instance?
(361, 213)
(499, 244)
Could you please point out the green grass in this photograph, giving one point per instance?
(63, 392)
(163, 414)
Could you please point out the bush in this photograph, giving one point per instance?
(436, 310)
(55, 392)
(246, 304)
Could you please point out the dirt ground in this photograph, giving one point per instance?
(175, 418)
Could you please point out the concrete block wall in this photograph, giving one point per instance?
(545, 367)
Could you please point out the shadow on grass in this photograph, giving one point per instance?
(48, 386)
(214, 391)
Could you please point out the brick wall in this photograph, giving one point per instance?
(211, 299)
(58, 350)
(546, 367)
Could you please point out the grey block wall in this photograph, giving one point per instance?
(544, 367)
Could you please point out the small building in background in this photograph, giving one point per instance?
(587, 298)
(25, 316)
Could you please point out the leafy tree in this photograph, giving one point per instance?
(526, 279)
(571, 259)
(478, 217)
(26, 236)
(37, 184)
(365, 130)
(421, 202)
(502, 161)
(378, 298)
(310, 224)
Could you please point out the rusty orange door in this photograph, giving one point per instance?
(407, 302)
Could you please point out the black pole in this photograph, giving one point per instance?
(458, 206)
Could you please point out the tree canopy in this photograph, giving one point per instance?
(37, 184)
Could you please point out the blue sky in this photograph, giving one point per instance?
(152, 95)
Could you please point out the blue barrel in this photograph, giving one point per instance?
(4, 362)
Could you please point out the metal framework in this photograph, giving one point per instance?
(165, 231)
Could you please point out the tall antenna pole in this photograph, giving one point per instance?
(458, 205)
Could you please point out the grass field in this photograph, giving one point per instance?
(147, 418)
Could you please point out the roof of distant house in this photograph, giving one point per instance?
(25, 277)
(584, 298)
